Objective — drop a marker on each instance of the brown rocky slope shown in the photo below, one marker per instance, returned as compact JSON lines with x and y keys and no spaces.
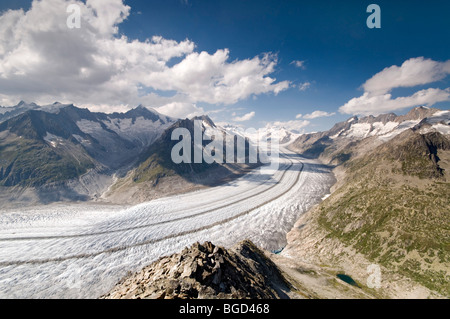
{"x":206,"y":271}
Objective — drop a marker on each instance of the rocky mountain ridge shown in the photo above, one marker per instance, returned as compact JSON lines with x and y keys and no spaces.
{"x":62,"y":152}
{"x":362,"y":134}
{"x":206,"y":271}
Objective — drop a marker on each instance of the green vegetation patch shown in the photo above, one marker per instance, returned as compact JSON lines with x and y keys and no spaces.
{"x":27,"y":162}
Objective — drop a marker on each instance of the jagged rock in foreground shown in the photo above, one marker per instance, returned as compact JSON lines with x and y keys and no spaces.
{"x":206,"y":271}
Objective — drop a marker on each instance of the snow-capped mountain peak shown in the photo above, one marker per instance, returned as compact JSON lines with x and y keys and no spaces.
{"x":386,"y":126}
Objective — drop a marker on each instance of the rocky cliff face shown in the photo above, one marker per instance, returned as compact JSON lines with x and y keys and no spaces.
{"x":206,"y":271}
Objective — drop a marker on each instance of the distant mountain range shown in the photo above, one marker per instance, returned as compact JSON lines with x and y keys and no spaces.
{"x":157,"y":174}
{"x":62,"y":152}
{"x":57,"y":152}
{"x":40,"y":146}
{"x":335,"y":145}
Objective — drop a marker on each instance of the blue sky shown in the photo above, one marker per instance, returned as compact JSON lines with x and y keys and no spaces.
{"x":339,"y":53}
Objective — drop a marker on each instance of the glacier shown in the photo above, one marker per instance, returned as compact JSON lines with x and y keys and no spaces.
{"x":83,"y":250}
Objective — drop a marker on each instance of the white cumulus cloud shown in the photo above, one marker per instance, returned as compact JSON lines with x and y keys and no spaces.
{"x":180,"y":110}
{"x":377,"y":98}
{"x":245,"y":117}
{"x":377,"y":104}
{"x":42,"y":60}
{"x":412,"y":72}
{"x":317,"y":114}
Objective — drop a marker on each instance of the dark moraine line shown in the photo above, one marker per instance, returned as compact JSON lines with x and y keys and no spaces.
{"x":147,"y":225}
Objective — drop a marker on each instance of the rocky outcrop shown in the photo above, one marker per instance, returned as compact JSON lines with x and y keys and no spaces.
{"x":206,"y":271}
